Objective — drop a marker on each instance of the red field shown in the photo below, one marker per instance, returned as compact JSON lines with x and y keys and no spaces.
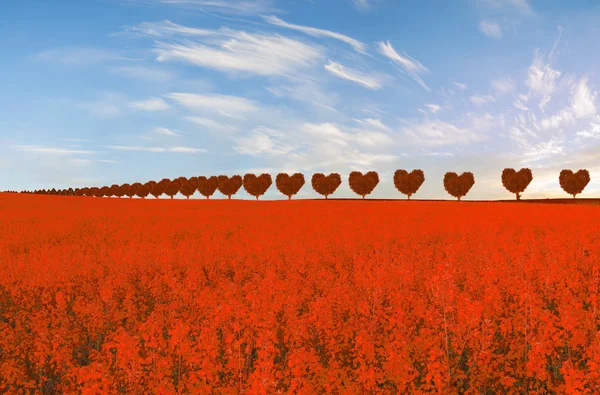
{"x":344,"y":297}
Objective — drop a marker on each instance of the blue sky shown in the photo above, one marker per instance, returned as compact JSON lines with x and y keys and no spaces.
{"x":111,"y":91}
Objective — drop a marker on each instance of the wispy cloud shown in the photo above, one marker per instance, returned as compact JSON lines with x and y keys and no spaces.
{"x":261,"y":142}
{"x":364,"y":5}
{"x":358,"y":77}
{"x":518,"y":6}
{"x":461,"y":86}
{"x":230,"y":106}
{"x":405,"y":63}
{"x":482,"y":99}
{"x":256,"y":53}
{"x":144,"y":73}
{"x":439,"y":133}
{"x":315,"y":32}
{"x":51,"y":150}
{"x":583,"y":105}
{"x":152,"y":104}
{"x":189,"y":150}
{"x":230,"y":7}
{"x":434,"y":108}
{"x":504,"y":85}
{"x":490,"y":29}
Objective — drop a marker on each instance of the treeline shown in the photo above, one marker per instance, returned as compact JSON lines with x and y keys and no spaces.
{"x":407,"y":183}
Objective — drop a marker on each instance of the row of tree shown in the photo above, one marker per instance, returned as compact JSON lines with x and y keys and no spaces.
{"x":362,"y":184}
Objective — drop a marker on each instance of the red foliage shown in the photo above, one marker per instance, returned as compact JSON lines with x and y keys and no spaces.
{"x":458,"y":186}
{"x":229,"y":186}
{"x":257,"y":186}
{"x":574,"y":183}
{"x":172,"y":187}
{"x":363,"y":184}
{"x":516,"y":181}
{"x":409,"y":183}
{"x":207,"y":186}
{"x":326,"y":185}
{"x":128,"y":296}
{"x":289,"y":185}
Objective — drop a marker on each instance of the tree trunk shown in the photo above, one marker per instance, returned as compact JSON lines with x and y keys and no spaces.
{"x":229,"y":197}
{"x":458,"y":198}
{"x":326,"y":197}
{"x":257,"y":198}
{"x":290,"y":197}
{"x":363,"y":196}
{"x":207,"y":197}
{"x":518,"y":196}
{"x":408,"y":196}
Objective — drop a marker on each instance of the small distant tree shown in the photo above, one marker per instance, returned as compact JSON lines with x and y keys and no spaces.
{"x":207,"y":186}
{"x":574,"y":183}
{"x":133,"y":189}
{"x":289,"y":186}
{"x":363,"y":184}
{"x":172,"y":188}
{"x":257,"y":186}
{"x":228,"y":186}
{"x":516,"y":181}
{"x":143,"y":191}
{"x":188,"y":188}
{"x":408,"y":183}
{"x":155,"y":189}
{"x":326,"y":185}
{"x":458,"y":186}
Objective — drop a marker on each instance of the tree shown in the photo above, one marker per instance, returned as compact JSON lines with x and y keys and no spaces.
{"x":408,"y":183}
{"x":363,"y":184}
{"x":289,"y":186}
{"x":114,"y":190}
{"x":105,"y":191}
{"x":574,"y":183}
{"x":516,"y":181}
{"x":257,"y":186}
{"x":458,"y":186}
{"x":207,"y":186}
{"x":87,"y":192}
{"x":133,"y":188}
{"x":189,"y":187}
{"x":228,"y":186}
{"x":122,"y":190}
{"x":143,"y":191}
{"x":326,"y":185}
{"x":155,"y":189}
{"x":172,"y":188}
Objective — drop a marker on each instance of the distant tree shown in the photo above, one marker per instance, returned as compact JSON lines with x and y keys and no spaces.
{"x":114,"y":190}
{"x":257,"y":186}
{"x":408,"y":183}
{"x":133,"y":189}
{"x":143,"y":191}
{"x":363,"y":184}
{"x":53,"y":192}
{"x":458,"y":186}
{"x":161,"y":187}
{"x":105,"y":191}
{"x":88,"y":192}
{"x":128,"y":191}
{"x":574,"y":183}
{"x":516,"y":181}
{"x":121,"y":190}
{"x":188,"y":188}
{"x":228,"y":186}
{"x":289,"y":185}
{"x":172,"y":188}
{"x":326,"y":185}
{"x":207,"y":186}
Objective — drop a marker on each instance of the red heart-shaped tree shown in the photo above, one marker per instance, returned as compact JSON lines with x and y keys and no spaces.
{"x":458,"y":186}
{"x":229,"y":186}
{"x":363,"y":184}
{"x":207,"y":186}
{"x":326,"y":185}
{"x":574,"y":183}
{"x":516,"y":181}
{"x":289,"y":185}
{"x":257,"y":186}
{"x":409,"y":183}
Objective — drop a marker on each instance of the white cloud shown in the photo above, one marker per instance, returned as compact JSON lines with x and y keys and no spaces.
{"x":544,"y":150}
{"x":349,"y":74}
{"x":144,"y":73}
{"x":231,"y":106}
{"x":439,"y":133}
{"x":373,"y":123}
{"x":262,"y":54}
{"x":541,"y":79}
{"x":167,"y":28}
{"x":357,"y":45}
{"x":232,"y":7}
{"x":166,"y":132}
{"x":504,"y":85}
{"x":583,"y":105}
{"x":434,"y":108}
{"x":152,"y":104}
{"x":261,"y":142}
{"x":490,"y":29}
{"x":110,"y":106}
{"x":51,"y":150}
{"x":461,"y":86}
{"x":482,"y":99}
{"x":155,"y":149}
{"x":364,"y":5}
{"x":210,"y":124}
{"x":404,"y":63}
{"x":372,"y":139}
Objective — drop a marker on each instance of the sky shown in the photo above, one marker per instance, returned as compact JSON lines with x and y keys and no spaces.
{"x":103,"y":92}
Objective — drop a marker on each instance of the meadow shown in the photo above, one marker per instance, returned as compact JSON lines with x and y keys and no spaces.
{"x":101,"y":296}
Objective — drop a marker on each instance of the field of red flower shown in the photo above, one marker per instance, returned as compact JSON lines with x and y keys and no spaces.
{"x":105,"y":296}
